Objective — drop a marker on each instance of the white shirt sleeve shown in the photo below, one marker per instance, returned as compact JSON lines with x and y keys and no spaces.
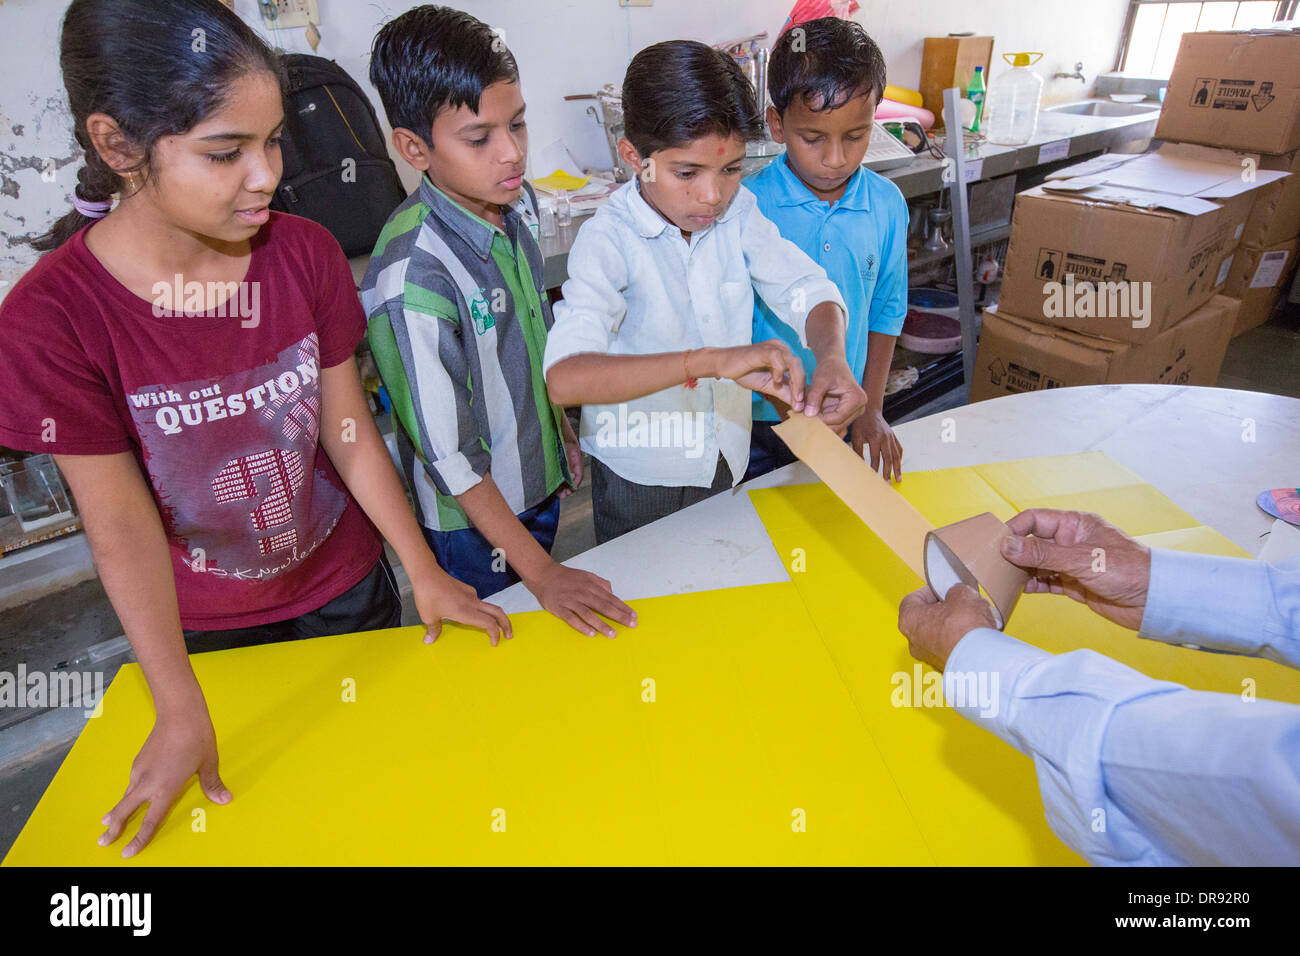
{"x":783,"y":275}
{"x":1237,"y":605}
{"x":593,"y":306}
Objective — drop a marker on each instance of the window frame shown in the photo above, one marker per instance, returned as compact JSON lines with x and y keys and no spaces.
{"x":1286,"y":10}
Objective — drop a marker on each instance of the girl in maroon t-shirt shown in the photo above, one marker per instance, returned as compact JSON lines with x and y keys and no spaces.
{"x":186,"y":355}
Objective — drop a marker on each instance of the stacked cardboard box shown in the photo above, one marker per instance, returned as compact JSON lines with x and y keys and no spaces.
{"x":1107,"y":281}
{"x":1133,"y":268}
{"x":1017,"y":355}
{"x":1241,"y":90}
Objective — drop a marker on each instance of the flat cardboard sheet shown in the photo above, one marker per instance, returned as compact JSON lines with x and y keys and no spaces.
{"x":778,"y":732}
{"x":1178,"y":176}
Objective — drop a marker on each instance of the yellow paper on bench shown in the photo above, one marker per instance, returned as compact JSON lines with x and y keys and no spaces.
{"x":975,"y":799}
{"x":716,"y":732}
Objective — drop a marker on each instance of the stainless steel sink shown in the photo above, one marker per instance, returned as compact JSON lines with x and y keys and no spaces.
{"x":1103,"y":108}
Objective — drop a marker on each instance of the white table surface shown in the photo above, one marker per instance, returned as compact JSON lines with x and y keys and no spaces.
{"x":1185,"y":441}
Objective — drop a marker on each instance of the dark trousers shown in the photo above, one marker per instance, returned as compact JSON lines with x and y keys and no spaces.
{"x":467,"y":556}
{"x":620,"y":506}
{"x":371,"y":604}
{"x":766,"y":451}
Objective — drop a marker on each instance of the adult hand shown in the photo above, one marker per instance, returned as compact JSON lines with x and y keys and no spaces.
{"x":934,"y":627}
{"x":176,"y":749}
{"x":1084,"y":557}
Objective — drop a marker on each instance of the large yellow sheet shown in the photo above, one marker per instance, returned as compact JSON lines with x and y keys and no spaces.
{"x":771,"y":737}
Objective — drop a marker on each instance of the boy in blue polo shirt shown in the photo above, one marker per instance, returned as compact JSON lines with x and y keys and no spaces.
{"x":826,"y":78}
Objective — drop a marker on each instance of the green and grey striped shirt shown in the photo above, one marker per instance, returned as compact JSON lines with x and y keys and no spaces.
{"x":458,"y":322}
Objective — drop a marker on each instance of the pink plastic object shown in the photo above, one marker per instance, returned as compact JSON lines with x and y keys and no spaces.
{"x":892,"y":109}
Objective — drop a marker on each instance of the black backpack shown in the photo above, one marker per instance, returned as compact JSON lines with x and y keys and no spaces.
{"x":328,"y":121}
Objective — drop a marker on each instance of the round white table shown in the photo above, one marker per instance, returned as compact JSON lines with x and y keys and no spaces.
{"x":1210,"y":450}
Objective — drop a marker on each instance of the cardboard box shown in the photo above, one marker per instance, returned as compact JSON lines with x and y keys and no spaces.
{"x":1017,"y":355}
{"x":1235,"y":89}
{"x":1064,"y":251}
{"x":1275,"y":217}
{"x":950,"y":61}
{"x":1258,"y":277}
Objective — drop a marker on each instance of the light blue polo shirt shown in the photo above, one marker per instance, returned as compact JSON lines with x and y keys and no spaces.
{"x":861,"y":242}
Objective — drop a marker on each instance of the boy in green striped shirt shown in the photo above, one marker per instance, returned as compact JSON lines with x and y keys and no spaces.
{"x":459,"y":316}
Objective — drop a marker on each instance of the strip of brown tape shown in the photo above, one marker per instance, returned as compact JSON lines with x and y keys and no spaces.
{"x":963,"y":552}
{"x":884,"y":510}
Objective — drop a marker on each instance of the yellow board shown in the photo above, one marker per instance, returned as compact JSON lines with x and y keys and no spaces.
{"x":748,"y":725}
{"x":749,"y":752}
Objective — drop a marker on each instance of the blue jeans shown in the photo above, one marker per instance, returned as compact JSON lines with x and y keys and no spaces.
{"x":467,"y":556}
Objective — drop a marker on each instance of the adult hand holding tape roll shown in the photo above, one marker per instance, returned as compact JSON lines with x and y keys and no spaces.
{"x":965,"y":552}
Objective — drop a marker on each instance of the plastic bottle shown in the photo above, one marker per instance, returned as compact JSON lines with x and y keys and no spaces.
{"x":1013,"y":100}
{"x":975,"y":93}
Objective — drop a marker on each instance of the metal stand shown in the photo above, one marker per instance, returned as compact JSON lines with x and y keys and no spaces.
{"x":955,"y":176}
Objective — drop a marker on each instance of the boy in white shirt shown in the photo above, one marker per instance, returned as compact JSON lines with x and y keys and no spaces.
{"x":653,"y":335}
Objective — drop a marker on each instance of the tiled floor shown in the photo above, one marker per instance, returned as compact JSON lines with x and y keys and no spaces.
{"x":56,"y":628}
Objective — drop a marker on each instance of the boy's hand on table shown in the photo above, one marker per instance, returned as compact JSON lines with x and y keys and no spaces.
{"x":440,"y":597}
{"x":872,"y":433}
{"x":579,"y":598}
{"x":767,"y":367}
{"x":177,"y":748}
{"x":835,"y":395}
{"x":933,"y":628}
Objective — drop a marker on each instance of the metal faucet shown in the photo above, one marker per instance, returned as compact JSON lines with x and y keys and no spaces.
{"x":1076,"y":75}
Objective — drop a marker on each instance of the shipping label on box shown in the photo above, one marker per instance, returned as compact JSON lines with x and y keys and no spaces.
{"x":1271,"y":266}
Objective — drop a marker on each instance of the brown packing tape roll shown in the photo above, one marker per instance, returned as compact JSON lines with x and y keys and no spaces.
{"x":966,"y":552}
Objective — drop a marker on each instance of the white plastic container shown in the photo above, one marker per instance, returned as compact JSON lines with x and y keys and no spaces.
{"x":1011,"y":104}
